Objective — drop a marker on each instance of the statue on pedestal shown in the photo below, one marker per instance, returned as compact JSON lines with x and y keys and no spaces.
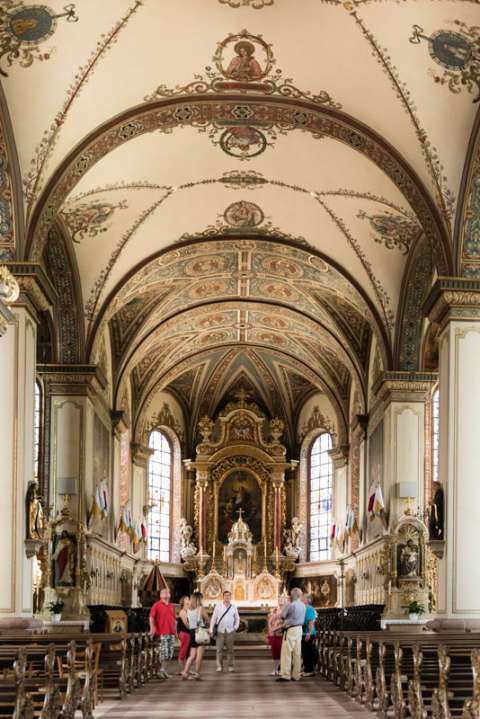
{"x":293,"y":539}
{"x":187,"y":547}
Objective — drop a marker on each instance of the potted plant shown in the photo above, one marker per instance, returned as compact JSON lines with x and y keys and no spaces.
{"x":56,"y":608}
{"x":415,"y":611}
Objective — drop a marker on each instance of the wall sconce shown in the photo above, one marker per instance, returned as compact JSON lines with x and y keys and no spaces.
{"x":66,"y":488}
{"x":365,"y":575}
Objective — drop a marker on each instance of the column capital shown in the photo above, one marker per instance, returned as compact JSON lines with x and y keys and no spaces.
{"x":453,"y":298}
{"x":35,"y":289}
{"x":119,"y":421}
{"x":140,"y":454}
{"x":9,"y":287}
{"x":404,"y":386}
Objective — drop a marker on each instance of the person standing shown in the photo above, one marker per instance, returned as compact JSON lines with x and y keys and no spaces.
{"x":223,"y":625}
{"x":275,"y":633}
{"x":197,"y":620}
{"x":309,"y":646}
{"x":183,"y":630}
{"x":163,"y":629}
{"x":293,"y":615}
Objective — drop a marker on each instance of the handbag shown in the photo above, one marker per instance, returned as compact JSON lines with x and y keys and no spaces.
{"x":215,"y":628}
{"x":202,"y":636}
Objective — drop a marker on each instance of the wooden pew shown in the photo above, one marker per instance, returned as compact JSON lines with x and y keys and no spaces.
{"x":398,"y":674}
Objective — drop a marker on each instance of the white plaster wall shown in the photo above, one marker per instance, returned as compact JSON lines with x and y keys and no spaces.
{"x":463,"y":499}
{"x":17,"y":382}
{"x":67,"y":441}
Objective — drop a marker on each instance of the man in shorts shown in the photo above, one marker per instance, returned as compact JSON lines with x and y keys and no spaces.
{"x":163,"y":628}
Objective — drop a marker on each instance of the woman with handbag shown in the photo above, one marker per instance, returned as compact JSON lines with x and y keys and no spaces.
{"x":199,"y":635}
{"x":183,"y":632}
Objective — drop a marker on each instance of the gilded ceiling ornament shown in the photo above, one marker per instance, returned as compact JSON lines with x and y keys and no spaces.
{"x":457,"y":52}
{"x":243,"y":214}
{"x":242,"y":142}
{"x":244,"y":57}
{"x":89,"y":219}
{"x":392,"y":231}
{"x":255,"y":4}
{"x":242,"y":63}
{"x":246,"y":179}
{"x":24,"y":27}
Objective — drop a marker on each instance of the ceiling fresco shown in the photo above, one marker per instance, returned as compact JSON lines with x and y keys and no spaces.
{"x":248,"y":198}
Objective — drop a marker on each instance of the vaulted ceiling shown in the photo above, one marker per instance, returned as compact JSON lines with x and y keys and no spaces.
{"x":250,"y":190}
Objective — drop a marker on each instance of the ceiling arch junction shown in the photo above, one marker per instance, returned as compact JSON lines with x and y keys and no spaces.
{"x":228,"y":226}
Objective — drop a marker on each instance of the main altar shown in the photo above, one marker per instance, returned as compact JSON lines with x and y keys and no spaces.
{"x":239,"y":540}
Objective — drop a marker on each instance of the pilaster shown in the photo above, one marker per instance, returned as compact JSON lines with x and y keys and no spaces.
{"x":17,"y":382}
{"x":454,"y":304}
{"x":401,"y":397}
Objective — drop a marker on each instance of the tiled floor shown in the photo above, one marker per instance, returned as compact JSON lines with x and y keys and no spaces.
{"x":249,"y":693}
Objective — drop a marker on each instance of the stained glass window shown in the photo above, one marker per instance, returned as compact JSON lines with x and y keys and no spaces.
{"x":320,"y":482}
{"x":159,"y":495}
{"x":435,"y":433}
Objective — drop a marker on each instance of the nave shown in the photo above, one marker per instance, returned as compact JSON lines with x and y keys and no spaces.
{"x":249,"y":692}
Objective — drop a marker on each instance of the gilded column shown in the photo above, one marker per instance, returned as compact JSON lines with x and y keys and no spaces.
{"x":454,"y":304}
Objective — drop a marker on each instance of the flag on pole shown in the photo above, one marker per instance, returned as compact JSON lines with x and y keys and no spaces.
{"x":144,"y":528}
{"x":371,"y":502}
{"x":104,"y":498}
{"x":333,"y":532}
{"x":378,"y":504}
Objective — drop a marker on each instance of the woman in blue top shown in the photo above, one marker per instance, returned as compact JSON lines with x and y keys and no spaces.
{"x":309,"y":639}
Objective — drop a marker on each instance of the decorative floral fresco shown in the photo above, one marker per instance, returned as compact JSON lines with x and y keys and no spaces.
{"x":392,"y":231}
{"x":471,"y":243}
{"x":23,"y":28}
{"x":35,"y":176}
{"x":90,"y":219}
{"x":255,"y":4}
{"x":458,"y":52}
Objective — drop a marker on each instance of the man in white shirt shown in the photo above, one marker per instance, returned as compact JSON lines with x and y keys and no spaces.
{"x":223,"y":625}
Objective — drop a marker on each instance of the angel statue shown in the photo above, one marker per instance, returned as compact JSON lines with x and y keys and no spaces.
{"x":293,"y":539}
{"x":187,"y":547}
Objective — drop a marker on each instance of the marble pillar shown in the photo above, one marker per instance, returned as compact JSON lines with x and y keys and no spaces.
{"x":454,"y":304}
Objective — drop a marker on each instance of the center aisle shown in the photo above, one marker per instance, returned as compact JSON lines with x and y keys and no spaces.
{"x":249,"y":693}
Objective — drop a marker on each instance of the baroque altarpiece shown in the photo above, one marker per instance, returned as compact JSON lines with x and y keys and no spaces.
{"x":240,"y":508}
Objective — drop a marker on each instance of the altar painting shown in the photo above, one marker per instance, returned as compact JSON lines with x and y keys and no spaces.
{"x":240,"y":490}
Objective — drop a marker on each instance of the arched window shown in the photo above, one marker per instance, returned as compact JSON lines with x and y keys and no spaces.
{"x":37,"y":428}
{"x":435,"y":433}
{"x":159,"y":496}
{"x":320,"y":497}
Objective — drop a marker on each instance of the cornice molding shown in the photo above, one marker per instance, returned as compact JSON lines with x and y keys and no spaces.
{"x":36,"y":290}
{"x":453,"y":298}
{"x":81,"y":380}
{"x":404,"y":386}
